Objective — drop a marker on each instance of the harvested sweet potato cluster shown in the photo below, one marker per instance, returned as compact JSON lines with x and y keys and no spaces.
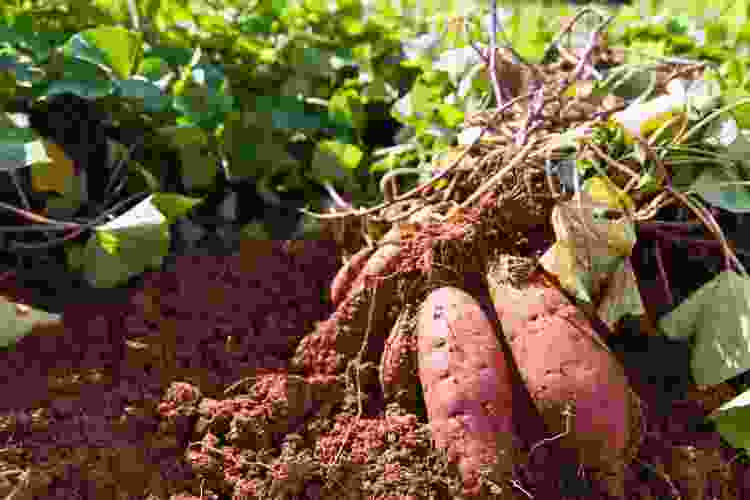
{"x":475,"y":313}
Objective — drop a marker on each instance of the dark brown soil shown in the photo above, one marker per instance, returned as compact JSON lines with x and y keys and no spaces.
{"x":182,"y":392}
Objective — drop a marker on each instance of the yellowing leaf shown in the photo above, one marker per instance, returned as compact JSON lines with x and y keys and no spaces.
{"x":621,"y":296}
{"x":56,"y":175}
{"x":621,"y":237}
{"x":588,"y":248}
{"x":603,"y":190}
{"x":560,"y":260}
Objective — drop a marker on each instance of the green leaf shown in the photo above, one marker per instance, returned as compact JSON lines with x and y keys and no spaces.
{"x":346,"y":107}
{"x":333,"y":162}
{"x":202,"y":96}
{"x":10,"y":135}
{"x":723,"y":132}
{"x":74,"y":256}
{"x":262,"y":156}
{"x":18,"y":320}
{"x":14,"y":156}
{"x":109,"y":241}
{"x":422,"y":46}
{"x":111,"y":46}
{"x":153,"y":68}
{"x":151,"y":95}
{"x":741,"y":113}
{"x":254,"y":231}
{"x":256,"y":24}
{"x":717,"y":318}
{"x":648,"y":183}
{"x":386,"y":163}
{"x":679,"y":25}
{"x":475,"y":81}
{"x":174,"y":205}
{"x":144,"y":181}
{"x":348,"y":155}
{"x":621,"y":297}
{"x":309,"y":61}
{"x":65,"y":205}
{"x":452,"y":115}
{"x":176,"y":56}
{"x":199,"y":166}
{"x":714,"y":184}
{"x":127,"y":246}
{"x":88,"y":88}
{"x":290,"y":114}
{"x":703,"y":95}
{"x":457,"y":62}
{"x":732,"y":419}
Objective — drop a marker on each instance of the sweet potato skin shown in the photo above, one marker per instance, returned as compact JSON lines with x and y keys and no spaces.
{"x":341,"y":284}
{"x":398,"y":365}
{"x":467,"y":385}
{"x":565,"y":365}
{"x":351,"y":279}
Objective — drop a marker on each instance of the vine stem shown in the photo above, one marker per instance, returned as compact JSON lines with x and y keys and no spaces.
{"x":421,"y":187}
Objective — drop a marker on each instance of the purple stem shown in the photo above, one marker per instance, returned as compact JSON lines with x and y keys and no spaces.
{"x":336,"y":197}
{"x":663,"y":273}
{"x":499,"y":94}
{"x":535,"y":111}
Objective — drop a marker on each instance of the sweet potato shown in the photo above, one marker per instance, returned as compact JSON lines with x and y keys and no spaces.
{"x":380,"y":262}
{"x":366,"y":306}
{"x":565,"y":366}
{"x":467,"y":386}
{"x":398,"y":365}
{"x":342,"y":282}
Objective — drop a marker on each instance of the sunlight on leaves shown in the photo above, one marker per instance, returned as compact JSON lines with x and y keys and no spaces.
{"x":717,"y":318}
{"x":127,"y":246}
{"x":111,"y":46}
{"x":731,"y":421}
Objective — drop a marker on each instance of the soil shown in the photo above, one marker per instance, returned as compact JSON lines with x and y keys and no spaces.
{"x":181,"y":390}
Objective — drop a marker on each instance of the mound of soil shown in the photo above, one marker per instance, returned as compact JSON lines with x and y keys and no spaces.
{"x":82,"y":414}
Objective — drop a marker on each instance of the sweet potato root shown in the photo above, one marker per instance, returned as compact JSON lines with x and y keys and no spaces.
{"x":467,"y":386}
{"x":363,"y":264}
{"x":578,"y":386}
{"x":341,"y":284}
{"x":398,"y":365}
{"x":365,"y":306}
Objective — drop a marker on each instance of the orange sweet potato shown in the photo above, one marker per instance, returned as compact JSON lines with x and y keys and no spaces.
{"x":342,"y":283}
{"x":398,"y":365}
{"x":379,"y":262}
{"x":467,"y":386}
{"x":577,"y":385}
